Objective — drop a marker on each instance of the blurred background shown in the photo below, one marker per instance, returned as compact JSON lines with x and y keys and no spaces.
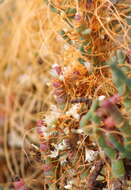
{"x":27,"y":38}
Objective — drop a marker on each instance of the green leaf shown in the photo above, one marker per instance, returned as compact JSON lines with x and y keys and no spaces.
{"x":84,"y":120}
{"x":89,"y":51}
{"x":53,"y":187}
{"x":120,"y":56}
{"x":62,"y":32}
{"x":82,"y":61}
{"x":81,"y":48}
{"x":80,"y":28}
{"x":86,"y":31}
{"x":96,"y":119}
{"x":110,"y":152}
{"x":70,"y":11}
{"x":118,"y":169}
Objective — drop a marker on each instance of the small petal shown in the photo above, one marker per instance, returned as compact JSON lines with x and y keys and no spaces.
{"x":39,"y":123}
{"x":44,"y":147}
{"x":77,"y":17}
{"x":109,"y":122}
{"x":57,"y":69}
{"x":39,"y":130}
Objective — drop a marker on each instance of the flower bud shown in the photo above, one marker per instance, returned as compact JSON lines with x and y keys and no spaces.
{"x":44,"y":147}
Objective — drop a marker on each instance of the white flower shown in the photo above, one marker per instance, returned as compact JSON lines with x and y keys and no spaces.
{"x":53,"y":73}
{"x":66,"y":46}
{"x":68,"y":186}
{"x":102,"y":97}
{"x":90,"y":155}
{"x":55,"y":109}
{"x":46,"y":134}
{"x":73,"y":111}
{"x":55,"y":65}
{"x":89,"y":66}
{"x":78,"y":142}
{"x":62,"y":159}
{"x":46,"y":131}
{"x":78,"y":131}
{"x":54,"y":154}
{"x":61,"y":77}
{"x":62,"y":162}
{"x":61,"y":146}
{"x":15,"y":140}
{"x":66,"y":131}
{"x":52,"y":117}
{"x":58,"y":147}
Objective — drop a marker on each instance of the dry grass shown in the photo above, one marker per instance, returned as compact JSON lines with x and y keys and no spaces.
{"x":28,"y":48}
